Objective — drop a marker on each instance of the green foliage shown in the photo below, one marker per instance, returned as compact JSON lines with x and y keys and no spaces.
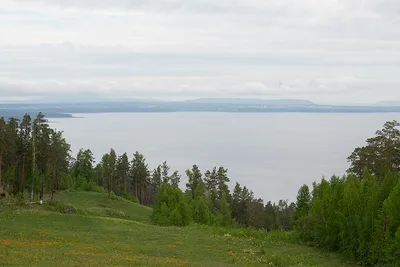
{"x":61,"y":207}
{"x":116,"y":214}
{"x":380,"y":155}
{"x":170,"y":207}
{"x":200,"y":211}
{"x":131,"y":198}
{"x":354,"y":216}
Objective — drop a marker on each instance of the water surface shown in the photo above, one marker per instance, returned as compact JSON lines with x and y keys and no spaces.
{"x":271,"y":153}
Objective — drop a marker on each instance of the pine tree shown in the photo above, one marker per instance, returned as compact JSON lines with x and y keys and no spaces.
{"x":122,"y":173}
{"x":175,"y":179}
{"x":139,"y":175}
{"x":24,"y":143}
{"x":194,"y":177}
{"x":3,"y":139}
{"x":165,"y":172}
{"x":157,"y":177}
{"x":83,"y":165}
{"x":58,"y":156}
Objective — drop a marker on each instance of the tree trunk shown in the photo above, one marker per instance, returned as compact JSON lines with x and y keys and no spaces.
{"x":1,"y":165}
{"x":41,"y":187}
{"x":23,"y":174}
{"x":109,"y":188}
{"x":140,"y":196}
{"x":125,"y":184}
{"x":54,"y":182}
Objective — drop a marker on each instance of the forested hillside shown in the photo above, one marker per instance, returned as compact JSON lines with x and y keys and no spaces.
{"x":358,"y":214}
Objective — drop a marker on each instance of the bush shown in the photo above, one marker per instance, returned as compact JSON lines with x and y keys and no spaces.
{"x":131,"y":198}
{"x":67,"y":182}
{"x":113,"y":196}
{"x":170,"y":207}
{"x":176,"y":218}
{"x":98,"y":189}
{"x":116,"y":214}
{"x":55,"y":205}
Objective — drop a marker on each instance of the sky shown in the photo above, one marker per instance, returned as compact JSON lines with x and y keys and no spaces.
{"x":330,"y":51}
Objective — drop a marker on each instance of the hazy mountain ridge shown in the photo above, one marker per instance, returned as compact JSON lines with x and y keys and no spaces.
{"x":65,"y":109}
{"x":251,"y":101}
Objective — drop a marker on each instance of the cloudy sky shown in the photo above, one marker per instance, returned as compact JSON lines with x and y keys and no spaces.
{"x":329,"y":51}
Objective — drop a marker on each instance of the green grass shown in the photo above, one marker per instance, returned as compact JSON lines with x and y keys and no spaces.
{"x":36,"y":237}
{"x":98,"y":204}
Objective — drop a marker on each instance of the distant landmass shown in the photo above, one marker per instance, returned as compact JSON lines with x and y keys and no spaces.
{"x":242,"y":105}
{"x":250,"y":101}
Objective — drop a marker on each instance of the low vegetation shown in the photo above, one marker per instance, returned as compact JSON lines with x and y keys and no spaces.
{"x":37,"y":236}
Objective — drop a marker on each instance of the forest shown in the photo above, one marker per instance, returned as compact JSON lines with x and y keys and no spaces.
{"x":357,"y":214}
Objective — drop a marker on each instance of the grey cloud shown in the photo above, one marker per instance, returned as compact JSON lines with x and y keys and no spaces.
{"x":315,"y":49}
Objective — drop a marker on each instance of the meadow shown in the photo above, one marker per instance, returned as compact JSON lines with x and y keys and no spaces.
{"x":88,"y":229}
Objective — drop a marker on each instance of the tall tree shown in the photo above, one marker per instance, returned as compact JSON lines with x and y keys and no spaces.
{"x":303,"y":203}
{"x":175,"y":179}
{"x":157,"y":177}
{"x":11,"y":155}
{"x":381,"y":154}
{"x":3,"y":138}
{"x":194,"y":177}
{"x":59,"y":156}
{"x":139,"y":174}
{"x":25,"y":133}
{"x":123,"y":166}
{"x":83,"y":165}
{"x":165,"y":172}
{"x":38,"y":123}
{"x":223,"y":180}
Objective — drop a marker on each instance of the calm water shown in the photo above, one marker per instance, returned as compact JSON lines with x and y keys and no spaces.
{"x":272,"y":154}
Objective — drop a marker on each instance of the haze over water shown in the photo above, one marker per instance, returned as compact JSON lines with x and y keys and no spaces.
{"x":273,"y":154}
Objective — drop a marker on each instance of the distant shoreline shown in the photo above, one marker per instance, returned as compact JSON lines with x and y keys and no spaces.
{"x":54,"y":110}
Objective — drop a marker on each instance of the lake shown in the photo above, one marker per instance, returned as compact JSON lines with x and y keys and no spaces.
{"x":273,"y":154}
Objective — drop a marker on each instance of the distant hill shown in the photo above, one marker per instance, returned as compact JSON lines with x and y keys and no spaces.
{"x":249,"y":101}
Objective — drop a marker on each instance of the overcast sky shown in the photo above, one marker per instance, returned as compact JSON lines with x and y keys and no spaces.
{"x":328,"y":51}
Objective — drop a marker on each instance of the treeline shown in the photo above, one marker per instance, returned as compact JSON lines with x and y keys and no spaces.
{"x":358,"y":214}
{"x":36,"y":160}
{"x":208,"y":200}
{"x":32,"y":156}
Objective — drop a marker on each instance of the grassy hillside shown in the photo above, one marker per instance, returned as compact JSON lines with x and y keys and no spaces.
{"x":94,"y":237}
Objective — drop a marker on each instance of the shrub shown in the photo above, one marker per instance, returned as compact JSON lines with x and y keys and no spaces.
{"x":66,"y":182}
{"x":170,"y":207}
{"x":131,"y":198}
{"x":176,"y":218}
{"x":116,"y":214}
{"x":55,"y":205}
{"x":98,"y":189}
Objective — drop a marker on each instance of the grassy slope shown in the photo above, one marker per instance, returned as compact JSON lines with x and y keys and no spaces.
{"x":35,"y":237}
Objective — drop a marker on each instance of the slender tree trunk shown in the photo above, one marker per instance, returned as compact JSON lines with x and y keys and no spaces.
{"x":23,"y":174}
{"x":140,"y":195}
{"x":125,"y":184}
{"x":109,"y":188}
{"x":41,"y":187}
{"x":33,"y":166}
{"x":1,"y":165}
{"x":136,"y":190}
{"x":54,"y":182}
